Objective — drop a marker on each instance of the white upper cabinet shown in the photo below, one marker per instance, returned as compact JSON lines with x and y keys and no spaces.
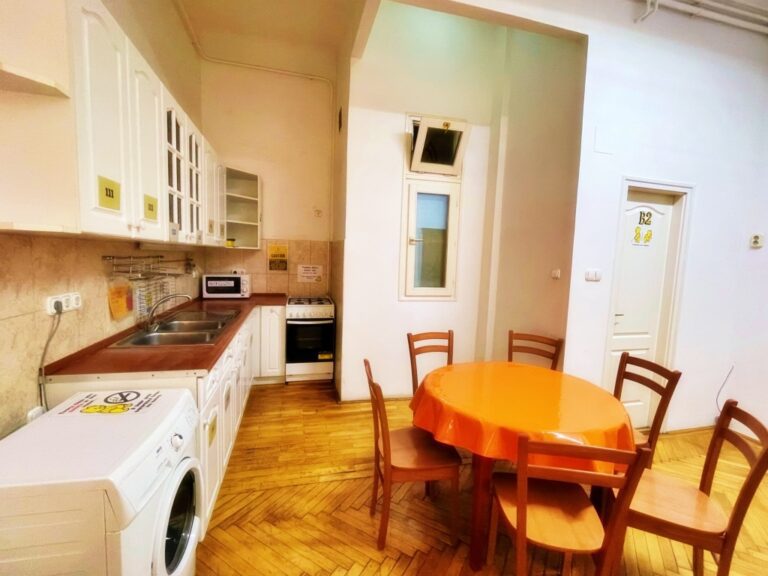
{"x":243,"y":209}
{"x":195,"y":183}
{"x":118,"y":100}
{"x":100,"y":89}
{"x":146,"y":121}
{"x":175,"y":167}
{"x":142,"y":162}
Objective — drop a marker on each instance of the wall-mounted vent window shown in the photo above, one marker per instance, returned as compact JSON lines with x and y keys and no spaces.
{"x":438,"y":145}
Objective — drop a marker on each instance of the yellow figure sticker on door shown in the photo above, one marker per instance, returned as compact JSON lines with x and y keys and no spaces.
{"x":109,"y":194}
{"x":648,"y":236}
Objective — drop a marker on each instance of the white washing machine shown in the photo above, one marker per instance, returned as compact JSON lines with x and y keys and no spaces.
{"x":105,"y":483}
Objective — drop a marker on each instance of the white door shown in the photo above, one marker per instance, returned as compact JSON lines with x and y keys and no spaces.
{"x":647,"y":256}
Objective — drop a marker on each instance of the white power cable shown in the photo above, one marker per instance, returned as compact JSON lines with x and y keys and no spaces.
{"x":55,"y":321}
{"x":717,"y":398}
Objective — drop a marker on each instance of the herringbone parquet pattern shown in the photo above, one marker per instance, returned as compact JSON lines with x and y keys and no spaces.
{"x":296,"y":494}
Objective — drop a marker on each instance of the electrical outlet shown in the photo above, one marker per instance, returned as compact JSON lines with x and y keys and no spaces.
{"x":69,"y":301}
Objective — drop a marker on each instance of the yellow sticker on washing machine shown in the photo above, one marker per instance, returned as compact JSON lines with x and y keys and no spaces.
{"x":106,"y":409}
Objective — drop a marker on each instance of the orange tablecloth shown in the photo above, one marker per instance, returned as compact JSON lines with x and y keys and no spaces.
{"x":483,"y":406}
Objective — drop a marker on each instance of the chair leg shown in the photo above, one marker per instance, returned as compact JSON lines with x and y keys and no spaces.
{"x":724,"y":561}
{"x":698,"y":561}
{"x":455,"y":509}
{"x":375,"y":491}
{"x":386,"y":501}
{"x":492,"y":532}
{"x":567,"y":563}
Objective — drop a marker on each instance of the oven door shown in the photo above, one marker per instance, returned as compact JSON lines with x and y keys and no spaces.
{"x":309,"y":341}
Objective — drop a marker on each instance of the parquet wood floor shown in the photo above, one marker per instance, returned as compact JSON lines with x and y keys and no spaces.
{"x":296,"y":494}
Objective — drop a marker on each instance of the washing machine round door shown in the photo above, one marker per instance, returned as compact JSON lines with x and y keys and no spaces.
{"x":178,"y":530}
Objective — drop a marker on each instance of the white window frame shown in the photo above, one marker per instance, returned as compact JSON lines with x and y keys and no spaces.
{"x":426,"y":122}
{"x":413,"y":186}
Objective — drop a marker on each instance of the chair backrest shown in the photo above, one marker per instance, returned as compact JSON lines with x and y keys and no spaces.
{"x":549,"y":348}
{"x":623,"y":471}
{"x":380,"y":422}
{"x":424,"y":343}
{"x":755,"y":451}
{"x":664,"y":388}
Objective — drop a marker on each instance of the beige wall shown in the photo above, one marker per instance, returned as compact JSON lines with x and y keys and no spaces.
{"x":263,"y":280}
{"x":158,"y":32}
{"x":37,"y":133}
{"x":35,"y":267}
{"x":280,"y":127}
{"x":543,"y":115}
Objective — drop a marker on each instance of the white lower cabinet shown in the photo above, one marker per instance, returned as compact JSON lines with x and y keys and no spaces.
{"x":211,"y":459}
{"x":272,"y":341}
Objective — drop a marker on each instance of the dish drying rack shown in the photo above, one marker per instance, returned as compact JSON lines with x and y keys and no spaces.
{"x":145,"y":267}
{"x":151,"y":278}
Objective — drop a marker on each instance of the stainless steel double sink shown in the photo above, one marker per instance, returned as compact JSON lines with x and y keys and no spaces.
{"x":182,"y":328}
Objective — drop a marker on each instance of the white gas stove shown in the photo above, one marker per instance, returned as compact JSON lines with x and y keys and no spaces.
{"x":309,"y":307}
{"x":310,"y":339}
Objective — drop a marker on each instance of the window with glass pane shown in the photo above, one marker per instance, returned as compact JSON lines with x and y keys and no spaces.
{"x":429,"y":265}
{"x":431,"y":240}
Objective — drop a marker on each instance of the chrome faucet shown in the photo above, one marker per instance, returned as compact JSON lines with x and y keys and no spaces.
{"x":150,"y":324}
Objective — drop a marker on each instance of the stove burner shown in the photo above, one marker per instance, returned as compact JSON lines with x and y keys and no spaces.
{"x":309,"y":301}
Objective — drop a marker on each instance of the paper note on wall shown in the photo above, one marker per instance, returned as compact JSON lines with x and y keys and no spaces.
{"x":310,"y":273}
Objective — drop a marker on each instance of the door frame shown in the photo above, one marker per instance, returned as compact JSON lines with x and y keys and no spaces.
{"x":673,"y":279}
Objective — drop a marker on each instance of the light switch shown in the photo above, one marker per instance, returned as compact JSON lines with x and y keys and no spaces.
{"x":593,"y":275}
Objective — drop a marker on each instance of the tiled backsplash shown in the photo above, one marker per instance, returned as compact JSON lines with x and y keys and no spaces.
{"x":255,"y":263}
{"x":33,"y":267}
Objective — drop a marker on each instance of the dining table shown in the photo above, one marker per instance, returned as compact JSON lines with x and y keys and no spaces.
{"x":484,"y":406}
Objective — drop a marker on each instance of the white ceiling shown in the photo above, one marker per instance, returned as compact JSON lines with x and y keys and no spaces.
{"x":302,"y":36}
{"x":307,"y":36}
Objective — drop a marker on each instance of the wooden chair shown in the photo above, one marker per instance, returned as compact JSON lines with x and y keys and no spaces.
{"x":680,"y":511}
{"x":547,"y":505}
{"x":446,"y":347}
{"x":549,"y":348}
{"x":664,"y":389}
{"x":407,"y":455}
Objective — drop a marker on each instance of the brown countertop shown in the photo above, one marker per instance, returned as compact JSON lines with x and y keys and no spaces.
{"x":98,"y":358}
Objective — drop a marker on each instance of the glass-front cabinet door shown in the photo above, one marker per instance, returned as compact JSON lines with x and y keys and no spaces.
{"x":194,"y":185}
{"x":174,"y":163}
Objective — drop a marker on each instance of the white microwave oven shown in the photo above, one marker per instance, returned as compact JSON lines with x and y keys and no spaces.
{"x":226,"y":286}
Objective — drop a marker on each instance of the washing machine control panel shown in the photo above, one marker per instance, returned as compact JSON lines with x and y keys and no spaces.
{"x":177,"y":441}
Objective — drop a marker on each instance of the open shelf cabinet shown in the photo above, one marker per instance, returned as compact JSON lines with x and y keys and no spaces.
{"x":243,"y":209}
